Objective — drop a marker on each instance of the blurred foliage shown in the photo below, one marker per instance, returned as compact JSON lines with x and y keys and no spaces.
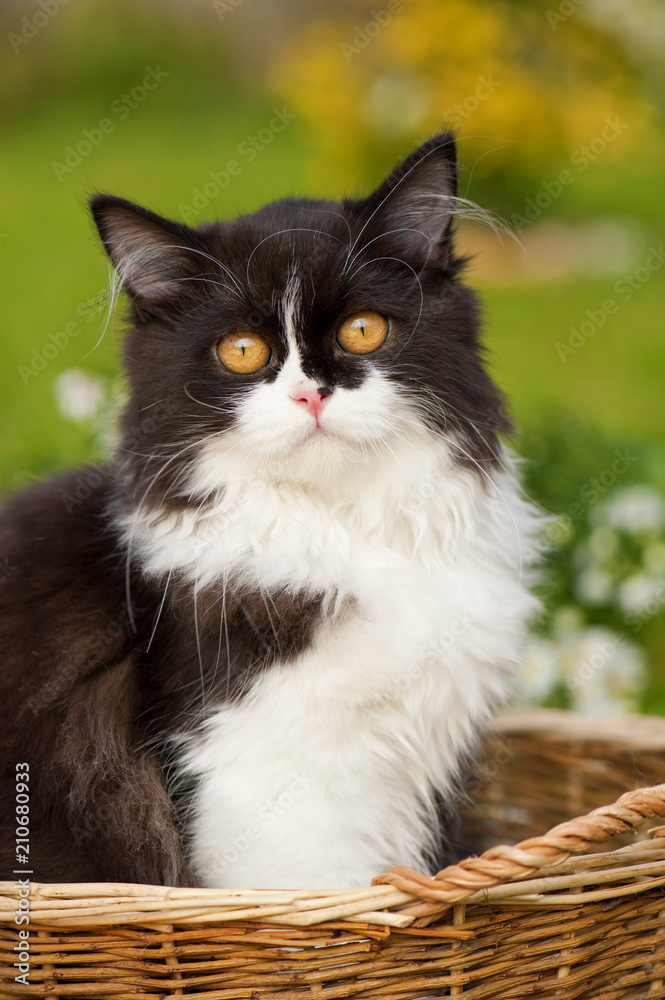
{"x":523,"y":93}
{"x":605,"y":557}
{"x":91,"y":51}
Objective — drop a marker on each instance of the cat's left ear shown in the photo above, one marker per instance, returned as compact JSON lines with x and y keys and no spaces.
{"x":413,"y":209}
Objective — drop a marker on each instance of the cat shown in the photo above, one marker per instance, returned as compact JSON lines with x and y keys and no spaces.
{"x":260,"y":645}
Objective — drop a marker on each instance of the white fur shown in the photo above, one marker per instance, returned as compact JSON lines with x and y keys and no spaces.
{"x":323,"y":774}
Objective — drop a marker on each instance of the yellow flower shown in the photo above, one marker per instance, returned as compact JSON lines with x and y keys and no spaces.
{"x":518,"y":93}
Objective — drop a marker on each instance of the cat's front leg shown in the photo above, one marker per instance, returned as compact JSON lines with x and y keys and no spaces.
{"x":111,"y":790}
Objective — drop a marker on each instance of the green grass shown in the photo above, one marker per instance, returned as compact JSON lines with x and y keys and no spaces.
{"x":615,"y":378}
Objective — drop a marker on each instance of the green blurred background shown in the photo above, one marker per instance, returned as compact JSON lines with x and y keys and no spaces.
{"x":559,"y":111}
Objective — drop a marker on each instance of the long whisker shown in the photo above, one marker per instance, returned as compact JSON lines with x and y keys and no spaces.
{"x":420,"y":289}
{"x":281,"y":232}
{"x":389,"y":195}
{"x":211,"y":281}
{"x":389,"y":232}
{"x":214,"y":260}
{"x":218,"y":409}
{"x":338,"y":215}
{"x":163,"y":600}
{"x":137,"y":515}
{"x":484,"y":472}
{"x":429,"y":401}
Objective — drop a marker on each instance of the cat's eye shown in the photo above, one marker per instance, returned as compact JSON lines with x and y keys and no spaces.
{"x":244,"y":353}
{"x":362,"y":333}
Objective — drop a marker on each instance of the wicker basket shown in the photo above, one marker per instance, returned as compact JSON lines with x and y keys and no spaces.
{"x":519,"y":921}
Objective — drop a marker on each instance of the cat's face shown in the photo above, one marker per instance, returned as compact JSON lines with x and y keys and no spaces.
{"x":302,"y":340}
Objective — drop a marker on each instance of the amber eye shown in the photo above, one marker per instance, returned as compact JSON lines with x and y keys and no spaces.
{"x":244,"y":353}
{"x":363,"y":333}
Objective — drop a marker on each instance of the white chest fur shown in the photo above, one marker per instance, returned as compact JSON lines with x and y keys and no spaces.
{"x":323,"y":775}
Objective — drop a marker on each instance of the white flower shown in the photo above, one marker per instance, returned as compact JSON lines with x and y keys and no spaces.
{"x":568,"y":619}
{"x":604,"y":671}
{"x":594,"y":586}
{"x":558,"y":530}
{"x":637,"y":591}
{"x":603,"y":542}
{"x":636,"y":509}
{"x":539,"y":671}
{"x":78,"y":395}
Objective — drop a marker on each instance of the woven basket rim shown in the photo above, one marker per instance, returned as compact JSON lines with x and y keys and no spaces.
{"x":631,"y":731}
{"x":400,"y":897}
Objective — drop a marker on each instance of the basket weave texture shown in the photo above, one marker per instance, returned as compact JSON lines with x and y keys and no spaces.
{"x":531,"y":919}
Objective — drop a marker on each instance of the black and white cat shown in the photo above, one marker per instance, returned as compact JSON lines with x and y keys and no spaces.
{"x":259,"y":646}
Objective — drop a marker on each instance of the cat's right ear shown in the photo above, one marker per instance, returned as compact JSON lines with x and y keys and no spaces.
{"x":153,"y":256}
{"x":412,"y":212}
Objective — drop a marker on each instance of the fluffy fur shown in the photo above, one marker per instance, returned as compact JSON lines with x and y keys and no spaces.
{"x":313,"y":622}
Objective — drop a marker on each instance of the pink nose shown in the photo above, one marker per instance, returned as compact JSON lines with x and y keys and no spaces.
{"x":313,"y":399}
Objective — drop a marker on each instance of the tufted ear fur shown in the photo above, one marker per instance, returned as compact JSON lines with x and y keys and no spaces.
{"x":413,"y":208}
{"x":153,"y":256}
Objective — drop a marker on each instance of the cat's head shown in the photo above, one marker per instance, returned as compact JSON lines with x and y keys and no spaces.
{"x":304,"y":341}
